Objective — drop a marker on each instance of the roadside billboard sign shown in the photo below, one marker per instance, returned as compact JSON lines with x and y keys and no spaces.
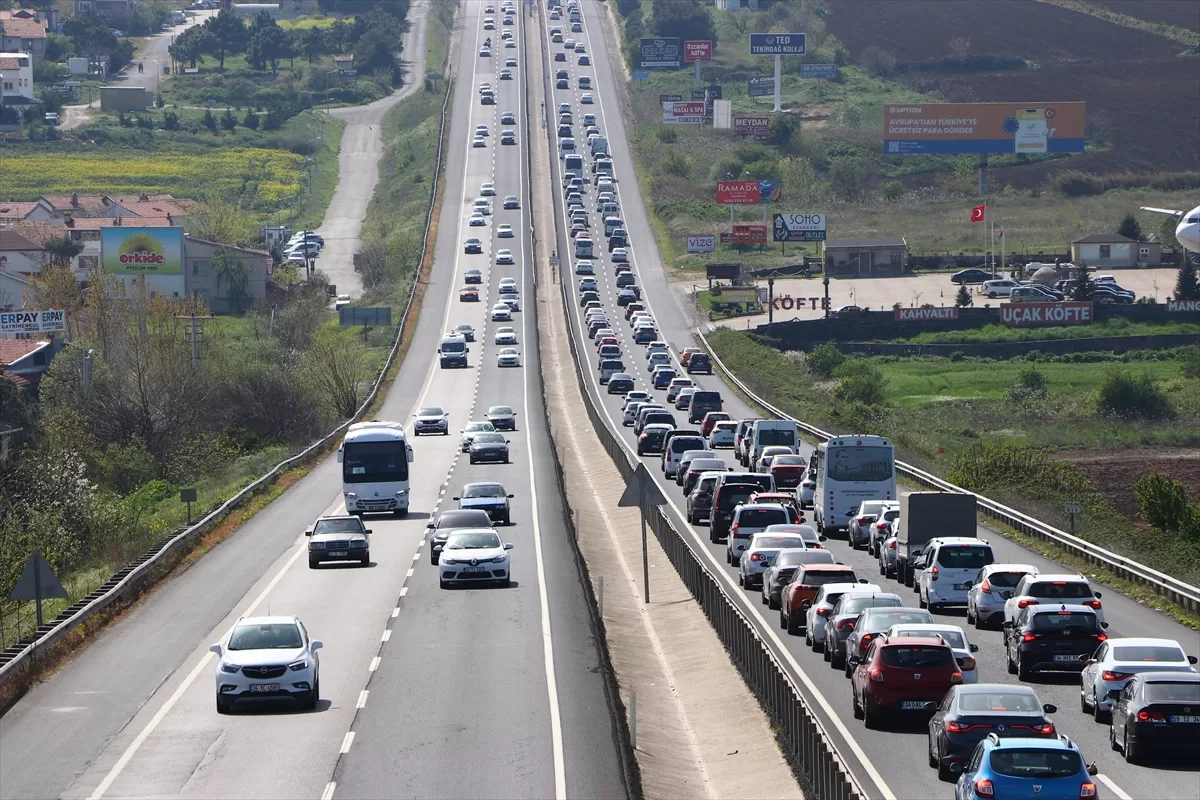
{"x":52,"y":321}
{"x":701,"y":243}
{"x":799,"y":227}
{"x":925,"y":314}
{"x":141,"y":251}
{"x":698,"y":94}
{"x":689,"y":113}
{"x":827,"y":72}
{"x":723,"y":272}
{"x":984,"y":128}
{"x":777,"y":44}
{"x":735,"y":294}
{"x":745,"y":234}
{"x":670,"y":98}
{"x":743,"y":193}
{"x":752,"y":127}
{"x":1032,"y":315}
{"x":761,"y":86}
{"x":660,"y":52}
{"x":352,"y":316}
{"x":697,"y":50}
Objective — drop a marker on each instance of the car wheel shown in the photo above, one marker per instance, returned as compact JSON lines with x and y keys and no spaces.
{"x":870,"y":716}
{"x":882,"y":569}
{"x":1083,"y":704}
{"x":313,"y":563}
{"x":858,"y":712}
{"x":443,"y":584}
{"x":849,"y":670}
{"x":931,"y":754}
{"x":433,"y":558}
{"x":921,"y":600}
{"x":944,"y":773}
{"x":310,"y":703}
{"x":366,"y":559}
{"x":808,"y":637}
{"x":1112,"y":738}
{"x":826,"y":654}
{"x":446,"y":432}
{"x":712,"y":537}
{"x":1098,"y":713}
{"x":1012,"y":667}
{"x":508,"y":519}
{"x":1023,"y":674}
{"x":771,"y":603}
{"x":728,"y":557}
{"x":224,"y":706}
{"x":793,"y":627}
{"x":783,"y":619}
{"x":971,"y":618}
{"x":763,"y":598}
{"x":741,"y":580}
{"x":400,"y":513}
{"x":1132,"y":754}
{"x":472,"y":459}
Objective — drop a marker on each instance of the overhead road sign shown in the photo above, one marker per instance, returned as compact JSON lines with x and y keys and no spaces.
{"x":777,"y":44}
{"x":661,"y":52}
{"x":799,"y":227}
{"x":697,"y":51}
{"x":984,"y":128}
{"x":827,"y":72}
{"x":761,"y":86}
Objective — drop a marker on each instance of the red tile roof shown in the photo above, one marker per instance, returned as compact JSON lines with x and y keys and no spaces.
{"x":13,"y":350}
{"x":35,"y":230}
{"x":21,"y":28}
{"x":160,"y":208}
{"x":91,"y":203}
{"x":11,"y":240}
{"x":16,"y":210}
{"x":95,"y":223}
{"x":19,"y":380}
{"x":10,"y":63}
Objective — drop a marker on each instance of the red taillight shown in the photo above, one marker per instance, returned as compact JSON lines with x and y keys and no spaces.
{"x":1087,"y":790}
{"x":733,"y":528}
{"x":1146,"y":716}
{"x":1026,"y":603}
{"x":1102,"y":637}
{"x":812,"y":546}
{"x":865,"y":641}
{"x":983,"y":788}
{"x":644,"y":436}
{"x":892,"y":546}
{"x":846,"y":625}
{"x":986,"y":586}
{"x":1044,"y":730}
{"x":1092,"y":604}
{"x":958,"y":727}
{"x":823,"y":612}
{"x":1029,"y":637}
{"x":880,"y":526}
{"x":967,"y":664}
{"x":757,"y":557}
{"x":864,"y":520}
{"x":933,"y":573}
{"x":877,"y":675}
{"x":1109,"y":675}
{"x":956,"y":678}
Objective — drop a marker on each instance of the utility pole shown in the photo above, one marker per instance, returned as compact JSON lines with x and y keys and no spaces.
{"x":194,"y":328}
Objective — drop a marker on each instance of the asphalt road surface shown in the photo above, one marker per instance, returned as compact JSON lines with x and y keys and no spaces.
{"x":471,"y":692}
{"x":890,"y":762}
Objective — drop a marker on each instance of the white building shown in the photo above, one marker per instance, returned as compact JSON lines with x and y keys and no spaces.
{"x":16,"y":81}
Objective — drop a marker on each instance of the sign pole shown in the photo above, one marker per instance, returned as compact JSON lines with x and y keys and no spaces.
{"x":698,"y":81}
{"x":778,"y":86}
{"x":645,"y":549}
{"x":770,"y":300}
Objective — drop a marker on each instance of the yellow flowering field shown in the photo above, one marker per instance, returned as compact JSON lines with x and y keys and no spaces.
{"x":271,"y":176}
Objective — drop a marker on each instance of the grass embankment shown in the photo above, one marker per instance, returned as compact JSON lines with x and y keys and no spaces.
{"x":939,"y":409}
{"x":833,"y":161}
{"x":1118,"y":326}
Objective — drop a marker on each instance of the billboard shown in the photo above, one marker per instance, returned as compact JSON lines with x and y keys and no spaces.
{"x":800,"y":227}
{"x":827,"y":72}
{"x":1032,"y":315}
{"x":924,"y":314}
{"x":699,"y":50}
{"x":723,"y":272}
{"x":54,"y":321}
{"x":735,"y":294}
{"x":1183,"y":306}
{"x":701,"y":243}
{"x":752,"y":127}
{"x":141,"y":251}
{"x":660,"y":52}
{"x":761,"y":86}
{"x":777,"y":44}
{"x":689,"y":113}
{"x":670,"y":98}
{"x":746,"y":234}
{"x":984,"y":128}
{"x":751,"y":193}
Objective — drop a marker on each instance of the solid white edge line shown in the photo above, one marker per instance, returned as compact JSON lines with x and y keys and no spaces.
{"x":780,"y":650}
{"x":162,"y":712}
{"x":1113,"y":787}
{"x":556,"y":735}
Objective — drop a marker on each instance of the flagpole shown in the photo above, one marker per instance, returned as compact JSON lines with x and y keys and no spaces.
{"x":992,"y":249}
{"x":1003,"y":260}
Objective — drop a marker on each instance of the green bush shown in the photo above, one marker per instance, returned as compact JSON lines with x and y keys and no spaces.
{"x":1190,"y":361}
{"x":824,"y":359}
{"x":893,"y":190}
{"x":861,"y":382}
{"x":1133,"y":397}
{"x":1005,"y":465}
{"x":727,"y":169}
{"x":1029,"y":385}
{"x":1165,"y":504}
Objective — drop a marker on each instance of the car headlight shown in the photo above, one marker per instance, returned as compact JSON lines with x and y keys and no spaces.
{"x":296,"y":666}
{"x":401,"y":492}
{"x":232,"y":669}
{"x":351,"y":495}
{"x":449,"y":561}
{"x":316,"y":545}
{"x":358,"y":543}
{"x":500,"y":559}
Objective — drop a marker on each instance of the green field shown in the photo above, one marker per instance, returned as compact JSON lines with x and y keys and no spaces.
{"x":1118,"y":326}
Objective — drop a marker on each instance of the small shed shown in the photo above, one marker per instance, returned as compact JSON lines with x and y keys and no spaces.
{"x":884,"y":255}
{"x":1114,"y":250}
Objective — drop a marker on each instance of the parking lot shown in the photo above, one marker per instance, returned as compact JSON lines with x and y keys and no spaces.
{"x":795,"y":296}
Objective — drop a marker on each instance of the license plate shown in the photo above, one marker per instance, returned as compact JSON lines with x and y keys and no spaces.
{"x":474,"y":569}
{"x":338,"y":553}
{"x":912,"y":705}
{"x":1191,"y":719}
{"x":964,"y":585}
{"x":265,"y":687}
{"x":1005,"y":595}
{"x":1066,"y":658}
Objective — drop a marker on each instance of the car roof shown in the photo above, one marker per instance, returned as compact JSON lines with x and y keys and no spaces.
{"x":337,"y":516}
{"x":761,"y":507}
{"x":1013,"y":742}
{"x":1006,"y":567}
{"x":1172,"y":677}
{"x":995,"y":688}
{"x":927,"y":641}
{"x":956,"y":540}
{"x":1059,"y":576}
{"x":271,"y":620}
{"x":845,"y":588}
{"x":1051,"y":608}
{"x":839,"y":568}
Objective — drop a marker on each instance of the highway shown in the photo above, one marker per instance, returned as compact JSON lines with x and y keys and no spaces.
{"x":888,"y":763}
{"x":469,"y":692}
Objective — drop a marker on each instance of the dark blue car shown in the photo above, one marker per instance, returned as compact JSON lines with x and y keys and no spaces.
{"x":663,"y":378}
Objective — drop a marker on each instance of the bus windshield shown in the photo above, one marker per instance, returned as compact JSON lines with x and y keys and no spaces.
{"x":861,"y":464}
{"x":374,"y":462}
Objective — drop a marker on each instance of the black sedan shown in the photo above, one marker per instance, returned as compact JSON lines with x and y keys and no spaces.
{"x":503,"y":418}
{"x":972,"y":275}
{"x":969,"y":713}
{"x":487,"y":496}
{"x":1157,"y":711}
{"x":450,"y":521}
{"x":489,"y":447}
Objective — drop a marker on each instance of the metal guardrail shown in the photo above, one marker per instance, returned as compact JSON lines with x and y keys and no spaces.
{"x":131,"y":579}
{"x":1173,"y":589}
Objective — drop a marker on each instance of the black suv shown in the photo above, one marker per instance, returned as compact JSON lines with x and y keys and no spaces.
{"x":699,"y":362}
{"x":1049,"y":637}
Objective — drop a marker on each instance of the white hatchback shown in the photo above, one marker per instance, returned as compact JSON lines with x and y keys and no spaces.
{"x":267,"y":658}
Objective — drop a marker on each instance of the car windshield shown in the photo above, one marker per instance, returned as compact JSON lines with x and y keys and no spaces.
{"x":786,"y":460}
{"x":779,"y":437}
{"x":1000,"y":701}
{"x":268,"y":636}
{"x":790,"y":558}
{"x":500,"y":410}
{"x":1168,"y":692}
{"x":964,"y":557}
{"x":881,"y":620}
{"x":479,"y":426}
{"x":1147,"y":652}
{"x":861,"y":463}
{"x":1063,"y":621}
{"x":484,"y":489}
{"x":1061,"y":589}
{"x":489,"y":438}
{"x":952,"y":638}
{"x":342,"y":525}
{"x":917,"y":656}
{"x":464,"y":518}
{"x":762,"y":517}
{"x":1005,"y":580}
{"x":778,"y":541}
{"x":472,"y":541}
{"x":1036,"y":763}
{"x":430,"y":412}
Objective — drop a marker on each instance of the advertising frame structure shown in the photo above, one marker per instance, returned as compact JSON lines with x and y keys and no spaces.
{"x":1034,"y":315}
{"x":697,"y":50}
{"x":660,"y":52}
{"x":777,"y":44}
{"x":752,"y":127}
{"x":760,"y":86}
{"x":701,"y":243}
{"x":745,"y":234}
{"x":748,"y":193}
{"x":1031,"y":128}
{"x":42,"y":321}
{"x":130,"y":250}
{"x":800,"y":227}
{"x":689,"y":112}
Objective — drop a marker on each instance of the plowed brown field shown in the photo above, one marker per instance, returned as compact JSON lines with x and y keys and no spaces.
{"x":1114,"y":474}
{"x":1142,"y":97}
{"x":1180,"y":13}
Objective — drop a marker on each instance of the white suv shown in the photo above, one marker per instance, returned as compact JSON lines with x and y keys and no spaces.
{"x":1053,"y":588}
{"x":950,"y":567}
{"x":267,"y":658}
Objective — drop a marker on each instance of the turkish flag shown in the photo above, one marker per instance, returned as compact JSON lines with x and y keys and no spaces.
{"x":978,"y":213}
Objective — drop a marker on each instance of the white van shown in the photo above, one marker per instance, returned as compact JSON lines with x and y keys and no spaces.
{"x":999,"y":288}
{"x":565,"y":146}
{"x":771,"y":433}
{"x":611,"y":224}
{"x":950,"y":566}
{"x":600,"y":145}
{"x":583,"y":247}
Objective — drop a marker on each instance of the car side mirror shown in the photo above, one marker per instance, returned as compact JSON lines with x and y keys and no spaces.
{"x":511,"y":496}
{"x":1191,"y":659}
{"x":862,"y":580}
{"x":1098,"y":595}
{"x":431,"y":524}
{"x":308,"y":532}
{"x":1092,"y":769}
{"x":1089,"y":661}
{"x":316,"y":644}
{"x":368,"y":530}
{"x":508,"y":441}
{"x":825,"y":539}
{"x":216,"y":648}
{"x":1007,"y":625}
{"x":456,"y":498}
{"x":1103,"y":624}
{"x":854,"y":661}
{"x":974,"y":648}
{"x":1049,"y":708}
{"x":807,"y":604}
{"x":508,"y":546}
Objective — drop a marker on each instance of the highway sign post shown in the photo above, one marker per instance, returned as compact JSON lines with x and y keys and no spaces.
{"x":1072,"y":508}
{"x":777,"y":44}
{"x":697,"y":52}
{"x":643,"y":492}
{"x":799,"y":227}
{"x":37,"y":583}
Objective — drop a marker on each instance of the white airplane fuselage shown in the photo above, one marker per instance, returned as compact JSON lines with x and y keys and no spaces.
{"x":1188,"y":230}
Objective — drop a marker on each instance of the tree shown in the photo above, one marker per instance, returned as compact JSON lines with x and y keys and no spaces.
{"x":313,"y":44}
{"x":62,"y":249}
{"x":963,"y":299}
{"x":250,"y":120}
{"x":228,"y":34}
{"x":268,"y":44}
{"x":688,"y":20}
{"x":1129,"y":228}
{"x":334,"y":365}
{"x":210,"y":120}
{"x":374,"y":53}
{"x":228,"y":120}
{"x":191,"y":45}
{"x":1084,"y":287}
{"x":223,"y":222}
{"x":1187,"y":286}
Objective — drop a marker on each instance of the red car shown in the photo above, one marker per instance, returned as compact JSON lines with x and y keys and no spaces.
{"x":468,"y":294}
{"x":905,"y":674}
{"x":803,"y":588}
{"x":788,"y":471}
{"x":711,"y":419}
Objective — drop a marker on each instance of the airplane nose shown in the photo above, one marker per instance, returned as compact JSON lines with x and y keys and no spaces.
{"x":1188,"y":235}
